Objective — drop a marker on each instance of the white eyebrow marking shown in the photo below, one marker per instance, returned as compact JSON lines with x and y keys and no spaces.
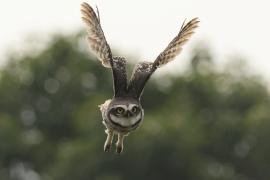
{"x":122,"y":106}
{"x":130,"y":106}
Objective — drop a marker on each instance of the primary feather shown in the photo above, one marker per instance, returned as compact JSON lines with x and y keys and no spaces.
{"x":96,"y":38}
{"x":175,"y":46}
{"x":143,"y":71}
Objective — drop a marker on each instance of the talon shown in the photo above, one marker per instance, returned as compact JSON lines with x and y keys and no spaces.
{"x":119,"y":143}
{"x":107,"y":147}
{"x":119,"y":149}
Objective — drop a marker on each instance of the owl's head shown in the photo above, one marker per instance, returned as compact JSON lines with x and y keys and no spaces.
{"x":125,"y":113}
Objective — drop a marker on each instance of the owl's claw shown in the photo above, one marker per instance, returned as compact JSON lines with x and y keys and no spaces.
{"x":107,"y":147}
{"x":119,"y":143}
{"x":119,"y":149}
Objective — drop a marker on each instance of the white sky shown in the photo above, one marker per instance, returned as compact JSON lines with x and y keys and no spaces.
{"x":145,"y":27}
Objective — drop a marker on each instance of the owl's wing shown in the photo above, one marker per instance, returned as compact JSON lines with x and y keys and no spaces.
{"x":175,"y":46}
{"x":96,"y":39}
{"x":144,"y":70}
{"x":119,"y":76}
{"x":141,"y":73}
{"x":101,"y":48}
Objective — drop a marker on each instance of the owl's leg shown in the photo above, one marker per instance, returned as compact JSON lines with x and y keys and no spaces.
{"x":108,"y":142}
{"x":119,"y":143}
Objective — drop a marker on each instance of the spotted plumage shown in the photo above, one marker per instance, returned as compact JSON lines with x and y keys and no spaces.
{"x":123,"y":113}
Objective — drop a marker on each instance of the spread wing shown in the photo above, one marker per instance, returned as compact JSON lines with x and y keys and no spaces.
{"x":96,"y":38}
{"x":120,"y":76}
{"x":101,"y":49}
{"x":139,"y":77}
{"x":144,"y":70}
{"x":175,"y":46}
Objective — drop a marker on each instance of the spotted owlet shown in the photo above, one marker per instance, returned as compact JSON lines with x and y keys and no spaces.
{"x":124,"y":113}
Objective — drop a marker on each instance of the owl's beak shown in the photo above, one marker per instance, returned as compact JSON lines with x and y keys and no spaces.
{"x":129,"y":114}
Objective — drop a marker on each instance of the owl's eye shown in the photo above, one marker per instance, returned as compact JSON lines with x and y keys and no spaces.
{"x":134,"y":109}
{"x":119,"y":110}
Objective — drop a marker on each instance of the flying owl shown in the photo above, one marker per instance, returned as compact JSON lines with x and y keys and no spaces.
{"x":124,"y":113}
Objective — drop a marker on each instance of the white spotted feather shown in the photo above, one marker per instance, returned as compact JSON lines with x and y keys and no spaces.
{"x":96,"y":39}
{"x":175,"y":46}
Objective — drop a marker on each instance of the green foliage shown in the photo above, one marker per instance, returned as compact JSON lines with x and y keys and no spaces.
{"x":205,"y":124}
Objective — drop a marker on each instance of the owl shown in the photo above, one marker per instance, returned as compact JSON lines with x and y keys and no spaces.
{"x":124,"y":113}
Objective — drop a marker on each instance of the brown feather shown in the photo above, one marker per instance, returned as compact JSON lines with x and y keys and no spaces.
{"x":175,"y":46}
{"x":96,"y":38}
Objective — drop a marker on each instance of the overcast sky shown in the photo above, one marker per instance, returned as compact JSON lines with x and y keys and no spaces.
{"x":144,"y":27}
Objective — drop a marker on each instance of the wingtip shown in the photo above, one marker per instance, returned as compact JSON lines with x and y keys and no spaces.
{"x":196,"y":19}
{"x":84,"y":3}
{"x":84,"y":6}
{"x":183,"y":24}
{"x":98,"y":13}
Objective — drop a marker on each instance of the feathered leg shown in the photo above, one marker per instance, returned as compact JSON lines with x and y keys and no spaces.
{"x":119,"y":143}
{"x":108,"y":142}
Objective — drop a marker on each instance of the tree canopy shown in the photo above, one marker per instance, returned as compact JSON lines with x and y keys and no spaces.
{"x":206,"y":124}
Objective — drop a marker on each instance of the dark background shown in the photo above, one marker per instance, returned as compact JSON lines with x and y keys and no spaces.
{"x":206,"y":124}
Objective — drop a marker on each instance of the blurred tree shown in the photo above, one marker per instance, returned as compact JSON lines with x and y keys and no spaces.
{"x":206,"y":124}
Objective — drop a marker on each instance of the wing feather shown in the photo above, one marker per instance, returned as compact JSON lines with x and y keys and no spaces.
{"x":143,"y":71}
{"x":175,"y":46}
{"x":120,"y":76}
{"x":101,"y":49}
{"x":96,"y":39}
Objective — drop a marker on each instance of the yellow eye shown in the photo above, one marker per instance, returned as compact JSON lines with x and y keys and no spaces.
{"x":134,"y":109}
{"x":119,"y":110}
